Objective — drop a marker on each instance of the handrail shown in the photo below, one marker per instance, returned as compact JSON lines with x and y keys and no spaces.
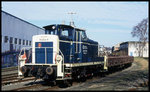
{"x":62,"y":61}
{"x":23,"y":49}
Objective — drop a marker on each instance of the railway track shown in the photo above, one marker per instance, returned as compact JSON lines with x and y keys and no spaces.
{"x":37,"y":86}
{"x":9,"y":69}
{"x":16,"y":80}
{"x":27,"y":87}
{"x":10,"y":76}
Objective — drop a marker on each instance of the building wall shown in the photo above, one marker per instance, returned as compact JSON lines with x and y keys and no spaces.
{"x":17,"y":29}
{"x":15,"y":34}
{"x":134,"y":50}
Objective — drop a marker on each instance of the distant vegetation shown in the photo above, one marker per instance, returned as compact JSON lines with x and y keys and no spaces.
{"x":141,"y":32}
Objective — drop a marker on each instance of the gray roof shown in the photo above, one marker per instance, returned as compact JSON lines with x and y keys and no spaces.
{"x":22,"y":20}
{"x":131,"y":42}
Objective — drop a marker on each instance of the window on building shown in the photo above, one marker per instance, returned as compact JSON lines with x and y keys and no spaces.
{"x":26,"y":42}
{"x":30,"y":43}
{"x":23,"y":42}
{"x":19,"y":41}
{"x":6,"y":39}
{"x":145,"y":49}
{"x":15,"y":40}
{"x":135,"y":52}
{"x":11,"y":40}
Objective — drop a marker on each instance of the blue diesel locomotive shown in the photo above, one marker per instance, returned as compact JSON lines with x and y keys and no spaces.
{"x":63,"y":53}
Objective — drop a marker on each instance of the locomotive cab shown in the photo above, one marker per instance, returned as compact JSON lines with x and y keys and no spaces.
{"x":64,"y":32}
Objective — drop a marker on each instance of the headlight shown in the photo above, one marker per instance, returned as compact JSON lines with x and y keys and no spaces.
{"x":58,"y":58}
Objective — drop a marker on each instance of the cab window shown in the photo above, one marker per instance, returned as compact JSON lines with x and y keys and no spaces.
{"x":65,"y":33}
{"x":52,"y":32}
{"x":83,"y":35}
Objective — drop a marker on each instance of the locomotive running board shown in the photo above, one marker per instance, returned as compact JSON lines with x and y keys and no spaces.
{"x":84,"y":64}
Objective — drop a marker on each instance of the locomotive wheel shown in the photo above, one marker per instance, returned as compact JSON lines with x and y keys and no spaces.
{"x":49,"y":82}
{"x":91,"y":76}
{"x":65,"y":83}
{"x":68,"y":83}
{"x":83,"y":79}
{"x":24,"y":71}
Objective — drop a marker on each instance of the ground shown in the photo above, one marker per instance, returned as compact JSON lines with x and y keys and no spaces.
{"x":132,"y":78}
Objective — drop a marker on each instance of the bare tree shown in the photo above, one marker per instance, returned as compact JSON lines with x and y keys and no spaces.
{"x":141,"y":32}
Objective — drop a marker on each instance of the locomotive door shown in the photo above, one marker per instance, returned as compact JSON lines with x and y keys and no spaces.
{"x":78,"y":45}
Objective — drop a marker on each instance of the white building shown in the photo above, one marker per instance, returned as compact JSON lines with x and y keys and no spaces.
{"x":116,"y":47}
{"x":15,"y":34}
{"x":134,"y":48}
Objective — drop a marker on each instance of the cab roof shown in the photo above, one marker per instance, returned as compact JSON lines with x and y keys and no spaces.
{"x":50,"y":26}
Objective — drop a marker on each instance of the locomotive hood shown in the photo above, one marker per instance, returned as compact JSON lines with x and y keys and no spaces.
{"x":45,"y":48}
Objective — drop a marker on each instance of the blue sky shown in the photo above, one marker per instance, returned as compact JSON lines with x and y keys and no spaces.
{"x":109,"y":23}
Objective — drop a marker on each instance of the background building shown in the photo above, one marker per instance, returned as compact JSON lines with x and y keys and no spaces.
{"x":15,"y":34}
{"x":116,"y":47}
{"x":136,"y":49}
{"x":132,"y":48}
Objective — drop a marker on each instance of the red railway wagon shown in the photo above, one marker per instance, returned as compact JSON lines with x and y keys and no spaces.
{"x":119,"y":60}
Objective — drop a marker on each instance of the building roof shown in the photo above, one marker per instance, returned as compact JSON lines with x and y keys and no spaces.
{"x":131,"y":42}
{"x":22,"y":20}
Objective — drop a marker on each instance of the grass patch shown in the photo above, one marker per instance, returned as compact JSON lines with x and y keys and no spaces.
{"x":142,"y":62}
